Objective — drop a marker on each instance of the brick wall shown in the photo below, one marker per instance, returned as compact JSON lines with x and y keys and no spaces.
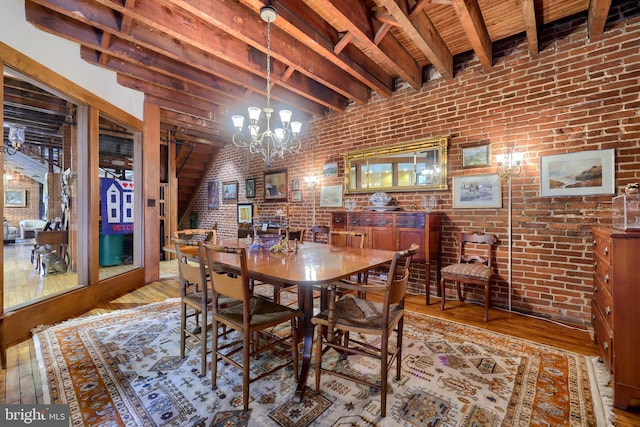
{"x":574,"y":95}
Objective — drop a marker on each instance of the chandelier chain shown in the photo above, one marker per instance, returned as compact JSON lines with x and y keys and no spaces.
{"x":268,"y":143}
{"x":268,"y":64}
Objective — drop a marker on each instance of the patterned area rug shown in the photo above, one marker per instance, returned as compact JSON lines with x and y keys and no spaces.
{"x":123,"y":368}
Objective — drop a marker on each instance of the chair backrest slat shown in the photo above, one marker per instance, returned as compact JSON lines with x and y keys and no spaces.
{"x":476,"y":248}
{"x":226,"y":280}
{"x":190,"y":273}
{"x":320,"y":233}
{"x":356,"y":239}
{"x":194,"y":235}
{"x":398,"y":276}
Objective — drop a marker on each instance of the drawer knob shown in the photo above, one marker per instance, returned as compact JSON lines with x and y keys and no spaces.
{"x":594,"y":243}
{"x":595,"y":289}
{"x":606,"y":251}
{"x":595,"y":265}
{"x":605,"y":345}
{"x":607,"y":310}
{"x":606,"y":278}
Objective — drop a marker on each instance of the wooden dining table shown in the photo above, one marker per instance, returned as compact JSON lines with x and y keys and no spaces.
{"x":312,"y":265}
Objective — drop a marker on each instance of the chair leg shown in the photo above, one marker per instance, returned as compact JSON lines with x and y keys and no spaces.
{"x":320,"y":330}
{"x":487,"y":301}
{"x":384,"y":372}
{"x":246,"y":353}
{"x":427,"y":284}
{"x":459,"y":291}
{"x":214,"y":353}
{"x":183,"y":326}
{"x":294,"y":346}
{"x":442,"y":294}
{"x":399,"y":347}
{"x":203,"y":344}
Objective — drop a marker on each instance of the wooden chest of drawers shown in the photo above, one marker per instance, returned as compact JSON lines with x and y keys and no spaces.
{"x":395,"y":231}
{"x":615,"y":309}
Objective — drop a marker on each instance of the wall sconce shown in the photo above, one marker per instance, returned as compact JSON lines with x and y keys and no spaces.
{"x":311,"y":181}
{"x":509,"y":164}
{"x":16,"y":139}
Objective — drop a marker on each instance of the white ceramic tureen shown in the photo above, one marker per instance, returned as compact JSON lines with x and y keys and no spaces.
{"x":380,"y":199}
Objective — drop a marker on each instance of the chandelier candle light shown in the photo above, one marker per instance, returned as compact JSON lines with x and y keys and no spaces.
{"x":269,"y":143}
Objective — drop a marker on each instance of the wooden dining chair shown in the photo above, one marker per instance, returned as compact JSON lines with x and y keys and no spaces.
{"x":348,"y":238}
{"x":194,"y":235}
{"x":473,"y":267}
{"x":342,"y":325}
{"x":320,"y":233}
{"x":195,"y":299}
{"x":294,"y":234}
{"x":250,"y":318}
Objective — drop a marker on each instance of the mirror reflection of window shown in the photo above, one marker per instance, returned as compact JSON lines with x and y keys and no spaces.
{"x":117,"y":146}
{"x":40,"y":233}
{"x":417,"y":165}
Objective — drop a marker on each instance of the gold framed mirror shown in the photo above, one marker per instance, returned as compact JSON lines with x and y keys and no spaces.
{"x":408,"y":166}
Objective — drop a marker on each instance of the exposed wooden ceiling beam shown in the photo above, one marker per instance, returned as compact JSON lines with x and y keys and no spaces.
{"x":424,"y":34}
{"x":530,"y":22}
{"x":470,"y":16}
{"x":328,"y":42}
{"x":353,"y":17}
{"x":597,"y":18}
{"x":243,"y":24}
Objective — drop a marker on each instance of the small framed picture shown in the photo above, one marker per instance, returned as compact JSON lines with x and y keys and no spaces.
{"x":295,"y":184}
{"x":213,"y":194}
{"x":250,"y":188}
{"x":245,"y":213}
{"x":296,"y":195}
{"x":477,"y":191}
{"x":473,"y":157}
{"x":275,"y":185}
{"x":330,"y":169}
{"x":230,"y":190}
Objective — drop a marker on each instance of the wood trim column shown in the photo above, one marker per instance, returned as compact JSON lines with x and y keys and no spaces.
{"x":151,"y":180}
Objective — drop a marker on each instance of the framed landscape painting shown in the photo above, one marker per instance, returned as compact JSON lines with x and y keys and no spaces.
{"x":15,"y":198}
{"x":477,"y":191}
{"x":585,"y":173}
{"x":473,"y":157}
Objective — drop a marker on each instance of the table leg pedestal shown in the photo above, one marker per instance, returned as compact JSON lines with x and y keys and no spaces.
{"x":305,"y":294}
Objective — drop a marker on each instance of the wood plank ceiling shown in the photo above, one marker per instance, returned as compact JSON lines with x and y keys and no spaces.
{"x":203,"y":60}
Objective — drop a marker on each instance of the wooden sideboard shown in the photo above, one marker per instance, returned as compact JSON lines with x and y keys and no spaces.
{"x":614,"y":309}
{"x":397,"y":230}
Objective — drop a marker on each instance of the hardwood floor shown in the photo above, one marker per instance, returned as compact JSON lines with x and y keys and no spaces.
{"x":20,"y":382}
{"x":24,"y":284}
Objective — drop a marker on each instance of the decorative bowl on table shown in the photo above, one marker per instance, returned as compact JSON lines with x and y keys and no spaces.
{"x":267,"y":241}
{"x":380,"y":199}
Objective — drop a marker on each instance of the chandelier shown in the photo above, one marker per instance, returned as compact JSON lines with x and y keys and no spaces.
{"x":269,"y":143}
{"x":16,"y":139}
